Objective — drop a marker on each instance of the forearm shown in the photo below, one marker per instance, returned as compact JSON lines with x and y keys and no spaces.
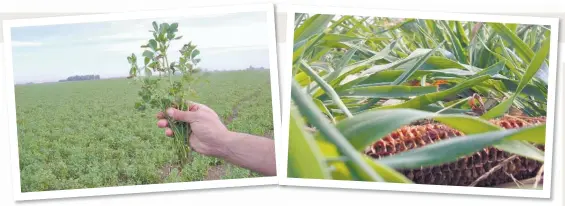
{"x":252,"y":152}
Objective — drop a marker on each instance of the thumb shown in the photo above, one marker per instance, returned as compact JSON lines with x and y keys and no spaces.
{"x":179,"y":115}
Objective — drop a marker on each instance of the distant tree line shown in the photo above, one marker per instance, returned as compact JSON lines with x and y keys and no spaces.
{"x":255,"y":68}
{"x":81,"y":78}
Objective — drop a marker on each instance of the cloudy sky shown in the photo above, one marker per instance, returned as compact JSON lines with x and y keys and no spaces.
{"x":51,"y":53}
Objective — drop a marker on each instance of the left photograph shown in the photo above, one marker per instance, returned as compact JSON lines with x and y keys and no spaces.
{"x":142,"y":102}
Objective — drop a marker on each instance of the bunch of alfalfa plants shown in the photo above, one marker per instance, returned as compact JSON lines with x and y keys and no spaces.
{"x":174,"y":84}
{"x":360,"y":91}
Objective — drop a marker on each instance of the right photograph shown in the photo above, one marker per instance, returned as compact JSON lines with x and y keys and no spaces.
{"x":417,"y":101}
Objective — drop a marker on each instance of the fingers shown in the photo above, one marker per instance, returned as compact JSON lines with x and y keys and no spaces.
{"x":160,"y":115}
{"x":179,"y":115}
{"x":169,"y":132}
{"x":162,"y":123}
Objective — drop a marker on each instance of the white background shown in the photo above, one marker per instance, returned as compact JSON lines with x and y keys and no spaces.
{"x":277,"y":195}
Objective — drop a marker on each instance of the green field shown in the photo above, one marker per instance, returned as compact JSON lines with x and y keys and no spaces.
{"x":87,"y":134}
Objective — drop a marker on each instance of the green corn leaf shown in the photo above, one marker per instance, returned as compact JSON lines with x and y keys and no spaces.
{"x":427,"y":99}
{"x":511,"y":38}
{"x":343,"y":172}
{"x":532,"y":69}
{"x":316,"y":118}
{"x":314,"y":25}
{"x":416,"y":66}
{"x":305,"y":160}
{"x":387,"y":91}
{"x":324,"y":109}
{"x":326,"y":87}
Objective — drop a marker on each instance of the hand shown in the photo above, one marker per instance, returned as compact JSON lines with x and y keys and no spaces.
{"x":209,"y":135}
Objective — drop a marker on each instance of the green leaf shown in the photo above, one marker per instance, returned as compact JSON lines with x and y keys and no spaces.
{"x":378,"y":78}
{"x":164,"y":28}
{"x":148,"y":54}
{"x":133,"y":71}
{"x":302,"y":78}
{"x":153,"y":44}
{"x":337,"y":76}
{"x":451,"y":149}
{"x":532,"y":69}
{"x":194,"y":53}
{"x":461,"y":33}
{"x":492,"y":70}
{"x":529,"y":90}
{"x":511,"y":38}
{"x":170,"y":36}
{"x":458,"y":48}
{"x":427,"y":99}
{"x":309,"y":109}
{"x":387,"y":91}
{"x":339,"y":40}
{"x":343,"y":172}
{"x":305,"y":159}
{"x":346,"y":58}
{"x":313,"y":25}
{"x":416,"y":66}
{"x":536,"y":63}
{"x":140,"y":106}
{"x":173,"y":27}
{"x":388,"y":173}
{"x":323,"y":108}
{"x":147,"y":60}
{"x":339,"y":170}
{"x":439,"y":62}
{"x":522,"y":148}
{"x":326,"y":87}
{"x":155,"y":27}
{"x":148,"y":72}
{"x":301,"y":48}
{"x":354,"y":68}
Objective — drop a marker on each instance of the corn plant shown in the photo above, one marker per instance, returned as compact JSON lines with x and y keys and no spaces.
{"x":418,"y":101}
{"x":167,"y":90}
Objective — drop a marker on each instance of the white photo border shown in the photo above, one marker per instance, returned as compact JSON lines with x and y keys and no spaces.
{"x":545,"y":193}
{"x":134,"y":189}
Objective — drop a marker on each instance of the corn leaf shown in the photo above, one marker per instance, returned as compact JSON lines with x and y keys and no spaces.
{"x":308,"y":108}
{"x":305,"y":160}
{"x":534,"y":66}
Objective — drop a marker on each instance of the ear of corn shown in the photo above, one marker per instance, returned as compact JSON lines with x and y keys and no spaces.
{"x":491,"y":165}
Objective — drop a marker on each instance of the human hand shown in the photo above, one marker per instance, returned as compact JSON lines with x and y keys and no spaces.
{"x":209,"y":135}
